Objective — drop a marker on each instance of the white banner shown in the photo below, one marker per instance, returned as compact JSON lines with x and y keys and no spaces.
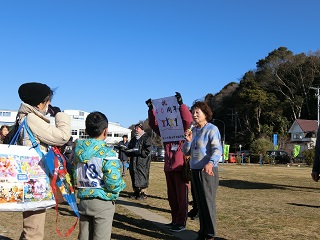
{"x":169,"y":119}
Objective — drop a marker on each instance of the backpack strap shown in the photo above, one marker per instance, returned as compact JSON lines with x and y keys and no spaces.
{"x":58,"y":180}
{"x":17,"y":133}
{"x":35,"y":145}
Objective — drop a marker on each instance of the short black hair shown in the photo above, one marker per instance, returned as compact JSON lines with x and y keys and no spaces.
{"x":7,"y":127}
{"x":125,"y":136}
{"x":96,"y":122}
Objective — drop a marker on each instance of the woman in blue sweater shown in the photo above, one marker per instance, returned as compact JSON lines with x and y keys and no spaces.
{"x":203,"y":144}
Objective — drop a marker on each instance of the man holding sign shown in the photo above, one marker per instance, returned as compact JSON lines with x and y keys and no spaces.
{"x":169,"y":118}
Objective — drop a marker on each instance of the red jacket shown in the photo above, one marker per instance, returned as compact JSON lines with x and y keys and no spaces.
{"x":173,"y":159}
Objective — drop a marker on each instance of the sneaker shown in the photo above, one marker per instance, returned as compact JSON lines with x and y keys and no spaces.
{"x":177,"y":228}
{"x":208,"y":237}
{"x":169,"y":225}
{"x":134,"y":195}
{"x":142,"y":196}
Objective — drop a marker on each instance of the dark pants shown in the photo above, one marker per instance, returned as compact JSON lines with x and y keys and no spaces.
{"x":205,"y":187}
{"x":123,"y":167}
{"x":177,"y":190}
{"x":194,"y":199}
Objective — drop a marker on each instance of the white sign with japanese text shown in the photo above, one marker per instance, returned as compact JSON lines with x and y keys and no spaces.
{"x":169,"y":119}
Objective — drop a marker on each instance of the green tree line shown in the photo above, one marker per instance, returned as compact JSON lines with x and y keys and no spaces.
{"x":267,"y":99}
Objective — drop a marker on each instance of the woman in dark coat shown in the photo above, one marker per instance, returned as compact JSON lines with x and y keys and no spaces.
{"x":139,"y":150}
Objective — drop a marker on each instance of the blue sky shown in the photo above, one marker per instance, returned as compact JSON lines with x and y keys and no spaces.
{"x":111,"y":56}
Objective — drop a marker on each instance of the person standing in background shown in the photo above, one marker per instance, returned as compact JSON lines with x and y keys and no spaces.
{"x":177,"y":188}
{"x":36,"y":99}
{"x":4,"y":130}
{"x":122,"y":145}
{"x":204,"y":146}
{"x":139,"y":151}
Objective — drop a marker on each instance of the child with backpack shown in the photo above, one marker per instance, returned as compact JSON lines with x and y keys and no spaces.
{"x":98,"y":179}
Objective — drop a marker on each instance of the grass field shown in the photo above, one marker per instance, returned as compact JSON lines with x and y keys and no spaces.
{"x":254,"y":202}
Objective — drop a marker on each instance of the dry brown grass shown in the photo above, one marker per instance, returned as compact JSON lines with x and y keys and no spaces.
{"x":254,"y":202}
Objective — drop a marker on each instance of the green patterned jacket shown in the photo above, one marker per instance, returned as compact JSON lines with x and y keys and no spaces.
{"x":97,"y":171}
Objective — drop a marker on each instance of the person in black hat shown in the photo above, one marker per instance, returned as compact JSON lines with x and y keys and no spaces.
{"x":36,"y":99}
{"x":34,"y":93}
{"x":139,"y":125}
{"x":139,"y":150}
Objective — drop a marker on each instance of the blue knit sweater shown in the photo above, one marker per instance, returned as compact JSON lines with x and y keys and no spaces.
{"x":204,"y":147}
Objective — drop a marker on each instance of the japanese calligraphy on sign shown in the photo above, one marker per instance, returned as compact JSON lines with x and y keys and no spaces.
{"x":169,"y":119}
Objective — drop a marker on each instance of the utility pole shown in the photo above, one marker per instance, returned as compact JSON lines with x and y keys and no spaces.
{"x":318,"y":96}
{"x":235,"y":126}
{"x":234,"y":117}
{"x":224,"y":136}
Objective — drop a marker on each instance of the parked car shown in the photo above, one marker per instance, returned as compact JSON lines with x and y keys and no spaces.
{"x":246,"y":153}
{"x":157,"y":154}
{"x":160,"y":155}
{"x":279,"y":156}
{"x":153,"y":153}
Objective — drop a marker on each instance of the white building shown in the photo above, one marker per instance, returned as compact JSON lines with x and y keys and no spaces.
{"x":303,"y":133}
{"x":115,"y":130}
{"x":7,"y":117}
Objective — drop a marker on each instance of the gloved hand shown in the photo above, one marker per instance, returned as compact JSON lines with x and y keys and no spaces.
{"x":179,"y":98}
{"x":149,"y":103}
{"x":132,"y":150}
{"x":123,"y":147}
{"x":53,"y":110}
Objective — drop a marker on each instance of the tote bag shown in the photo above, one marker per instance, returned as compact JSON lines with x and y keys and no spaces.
{"x":24,"y":185}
